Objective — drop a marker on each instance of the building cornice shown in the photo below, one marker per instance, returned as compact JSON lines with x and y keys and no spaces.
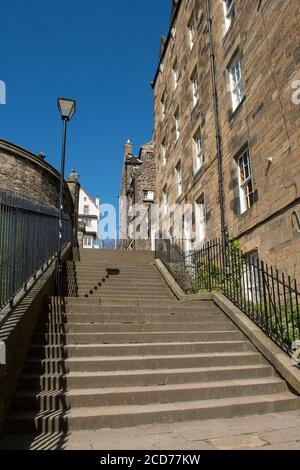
{"x":165,"y":48}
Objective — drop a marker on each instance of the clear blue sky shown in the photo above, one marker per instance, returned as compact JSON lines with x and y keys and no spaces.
{"x":104,"y":54}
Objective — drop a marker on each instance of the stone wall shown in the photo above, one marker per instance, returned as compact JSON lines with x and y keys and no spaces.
{"x":139,"y":175}
{"x":27,"y":175}
{"x":266,"y":35}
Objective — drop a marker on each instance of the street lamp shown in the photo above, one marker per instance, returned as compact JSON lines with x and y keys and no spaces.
{"x":67,"y":109}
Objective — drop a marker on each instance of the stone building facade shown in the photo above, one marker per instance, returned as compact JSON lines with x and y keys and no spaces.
{"x":137,"y":188}
{"x":227,"y":128}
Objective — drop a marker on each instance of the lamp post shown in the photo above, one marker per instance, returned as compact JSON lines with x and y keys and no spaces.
{"x":67,"y":109}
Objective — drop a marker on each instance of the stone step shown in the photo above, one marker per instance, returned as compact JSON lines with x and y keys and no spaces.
{"x":132,"y":415}
{"x":87,"y":305}
{"x":135,"y":327}
{"x":121,"y":378}
{"x":124,"y":286}
{"x":135,"y":338}
{"x":123,"y":302}
{"x":146,"y":395}
{"x":120,"y":282}
{"x":138,"y":349}
{"x":117,"y":269}
{"x":133,"y":363}
{"x":128,"y":296}
{"x":137,"y":318}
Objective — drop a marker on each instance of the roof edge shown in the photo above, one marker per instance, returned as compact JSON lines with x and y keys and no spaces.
{"x":162,"y":55}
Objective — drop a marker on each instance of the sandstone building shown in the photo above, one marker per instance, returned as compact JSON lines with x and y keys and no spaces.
{"x":137,"y":187}
{"x":226,"y":125}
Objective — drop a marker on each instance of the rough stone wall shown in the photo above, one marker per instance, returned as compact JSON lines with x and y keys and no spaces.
{"x":145,"y":181}
{"x":138,"y":176}
{"x":267,"y":35}
{"x":27,"y":175}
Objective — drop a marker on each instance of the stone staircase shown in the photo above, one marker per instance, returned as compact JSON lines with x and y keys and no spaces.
{"x":127,"y":352}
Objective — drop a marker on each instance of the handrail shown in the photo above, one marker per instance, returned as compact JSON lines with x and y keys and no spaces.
{"x":270,"y":299}
{"x":28,"y":240}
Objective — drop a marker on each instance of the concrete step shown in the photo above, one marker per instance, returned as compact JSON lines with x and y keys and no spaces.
{"x":86,"y":305}
{"x":139,"y":337}
{"x":121,"y":378}
{"x":123,"y":302}
{"x":116,"y":269}
{"x":131,"y":363}
{"x":118,"y":282}
{"x":135,"y":327}
{"x":124,"y":285}
{"x":138,"y":349}
{"x":145,"y":395}
{"x":132,"y":415}
{"x":128,"y":296}
{"x":125,"y":318}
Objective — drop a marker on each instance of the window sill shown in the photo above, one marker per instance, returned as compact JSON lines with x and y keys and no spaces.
{"x":232,"y":114}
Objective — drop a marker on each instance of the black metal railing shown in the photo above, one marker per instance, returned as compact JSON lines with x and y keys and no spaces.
{"x":28,"y":242}
{"x":269,"y":298}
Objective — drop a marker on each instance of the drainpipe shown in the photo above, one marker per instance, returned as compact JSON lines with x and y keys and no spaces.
{"x":216,"y":119}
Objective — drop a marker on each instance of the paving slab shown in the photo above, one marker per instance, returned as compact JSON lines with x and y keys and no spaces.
{"x":240,"y":433}
{"x":238,"y":442}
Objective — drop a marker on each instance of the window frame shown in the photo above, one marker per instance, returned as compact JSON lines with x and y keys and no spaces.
{"x":163,"y":105}
{"x":245,"y":182}
{"x":198,"y":152}
{"x":177,"y":124}
{"x":236,"y":81}
{"x":200,"y":217}
{"x":164,"y":152}
{"x":229,"y":13}
{"x":90,"y":240}
{"x":175,"y":72}
{"x":192,"y":32}
{"x":146,"y":193}
{"x":178,"y":170}
{"x":195,"y":87}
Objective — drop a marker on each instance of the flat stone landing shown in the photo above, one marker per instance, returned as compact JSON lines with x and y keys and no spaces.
{"x":276,"y":431}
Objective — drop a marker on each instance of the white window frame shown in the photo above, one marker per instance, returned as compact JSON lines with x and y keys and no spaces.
{"x":246,"y":189}
{"x":87,"y":242}
{"x":199,"y":152}
{"x":163,"y":106}
{"x":173,"y":33}
{"x":236,"y":81}
{"x":175,"y":75}
{"x":229,"y":12}
{"x":195,"y":87}
{"x":177,"y":124}
{"x":200,"y":217}
{"x":251,"y":276}
{"x":149,"y":195}
{"x":164,"y":152}
{"x":178,"y":170}
{"x":192,"y":32}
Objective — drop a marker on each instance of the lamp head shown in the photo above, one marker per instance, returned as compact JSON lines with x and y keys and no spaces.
{"x":67,"y":108}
